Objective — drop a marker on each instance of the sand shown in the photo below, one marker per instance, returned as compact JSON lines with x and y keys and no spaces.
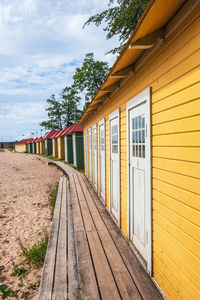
{"x":25,"y":213}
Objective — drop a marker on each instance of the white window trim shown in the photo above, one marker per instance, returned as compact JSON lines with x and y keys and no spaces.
{"x":144,"y":96}
{"x":115,"y":114}
{"x":102,"y":122}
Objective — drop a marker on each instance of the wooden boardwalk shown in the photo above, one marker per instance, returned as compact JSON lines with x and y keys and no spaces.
{"x":101,"y":264}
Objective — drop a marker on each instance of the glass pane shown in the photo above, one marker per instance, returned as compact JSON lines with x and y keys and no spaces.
{"x":133,"y":150}
{"x":140,"y":123}
{"x":143,"y":151}
{"x":114,"y":129}
{"x":136,"y":123}
{"x":136,"y":152}
{"x":140,"y":138}
{"x":143,"y":122}
{"x":139,"y":152}
{"x":136,"y":136}
{"x":115,"y":139}
{"x":115,"y":149}
{"x":133,"y":123}
{"x":143,"y":136}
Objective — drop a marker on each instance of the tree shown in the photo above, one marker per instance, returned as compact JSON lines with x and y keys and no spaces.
{"x":89,"y":77}
{"x":55,"y":113}
{"x":70,"y":101}
{"x":120,"y":19}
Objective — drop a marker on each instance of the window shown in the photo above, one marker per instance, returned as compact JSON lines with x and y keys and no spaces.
{"x":138,"y":136}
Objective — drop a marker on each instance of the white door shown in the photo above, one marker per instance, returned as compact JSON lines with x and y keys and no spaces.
{"x":114,"y":164}
{"x":74,"y":149}
{"x":102,"y":173}
{"x":86,"y":154}
{"x":139,"y":177}
{"x":94,"y":139}
{"x":90,"y":153}
{"x":65,"y":141}
{"x":59,"y":148}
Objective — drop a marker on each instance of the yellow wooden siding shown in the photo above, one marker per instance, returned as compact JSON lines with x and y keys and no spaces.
{"x":20,"y":148}
{"x":173,"y":73}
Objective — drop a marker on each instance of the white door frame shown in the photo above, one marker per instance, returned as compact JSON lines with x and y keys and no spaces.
{"x":102,"y":122}
{"x":93,"y":153}
{"x":113,"y":115}
{"x":143,"y":97}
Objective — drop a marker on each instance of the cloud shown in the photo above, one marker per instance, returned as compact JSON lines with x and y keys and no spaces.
{"x":42,"y":44}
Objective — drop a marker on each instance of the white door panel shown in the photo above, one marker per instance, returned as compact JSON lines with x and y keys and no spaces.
{"x":90,"y":153}
{"x":94,"y":138}
{"x":114,"y":164}
{"x":139,"y":175}
{"x":102,"y":173}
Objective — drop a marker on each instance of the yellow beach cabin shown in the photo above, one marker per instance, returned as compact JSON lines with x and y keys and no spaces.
{"x":142,"y":144}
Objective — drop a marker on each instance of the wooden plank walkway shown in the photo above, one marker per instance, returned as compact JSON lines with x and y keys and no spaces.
{"x":101,"y":264}
{"x":53,"y":283}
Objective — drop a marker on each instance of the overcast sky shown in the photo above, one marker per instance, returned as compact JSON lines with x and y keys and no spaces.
{"x":42,"y":43}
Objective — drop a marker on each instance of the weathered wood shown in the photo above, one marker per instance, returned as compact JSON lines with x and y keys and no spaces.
{"x":73,"y":279}
{"x":144,"y":283}
{"x":60,"y":278}
{"x":126,"y":287}
{"x":46,"y":284}
{"x":88,"y":286}
{"x":45,"y":160}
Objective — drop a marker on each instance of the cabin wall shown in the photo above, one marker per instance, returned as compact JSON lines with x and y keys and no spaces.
{"x":20,"y":148}
{"x":173,"y":74}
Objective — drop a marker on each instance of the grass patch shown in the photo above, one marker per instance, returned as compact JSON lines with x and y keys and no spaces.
{"x":53,"y":196}
{"x":36,"y":254}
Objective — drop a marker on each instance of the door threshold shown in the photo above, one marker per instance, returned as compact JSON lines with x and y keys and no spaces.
{"x":139,"y":256}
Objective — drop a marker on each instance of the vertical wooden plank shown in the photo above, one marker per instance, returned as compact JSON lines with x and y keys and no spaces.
{"x":46,"y":284}
{"x":88,"y":286}
{"x":60,"y":278}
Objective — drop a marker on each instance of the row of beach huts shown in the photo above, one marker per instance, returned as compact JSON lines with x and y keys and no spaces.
{"x":65,"y":144}
{"x":141,"y":145}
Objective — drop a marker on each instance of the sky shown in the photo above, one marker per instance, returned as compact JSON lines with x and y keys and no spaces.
{"x":42,"y":43}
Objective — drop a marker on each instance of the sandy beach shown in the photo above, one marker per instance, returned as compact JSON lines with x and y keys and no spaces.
{"x":25,"y":184}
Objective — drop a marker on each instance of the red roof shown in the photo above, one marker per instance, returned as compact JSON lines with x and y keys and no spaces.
{"x":39,"y":139}
{"x":70,"y":129}
{"x":64,"y":131}
{"x":53,"y":136}
{"x":77,"y":129}
{"x":35,"y":140}
{"x":50,"y":134}
{"x":59,"y":133}
{"x":24,"y":141}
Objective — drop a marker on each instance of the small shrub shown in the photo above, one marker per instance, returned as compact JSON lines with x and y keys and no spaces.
{"x":36,"y":254}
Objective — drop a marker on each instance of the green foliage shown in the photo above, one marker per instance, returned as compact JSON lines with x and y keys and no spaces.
{"x":36,"y":254}
{"x":89,"y":77}
{"x":120,"y":19}
{"x":6,"y":292}
{"x":55,"y":112}
{"x":53,"y":196}
{"x":70,"y":101}
{"x":18,"y":270}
